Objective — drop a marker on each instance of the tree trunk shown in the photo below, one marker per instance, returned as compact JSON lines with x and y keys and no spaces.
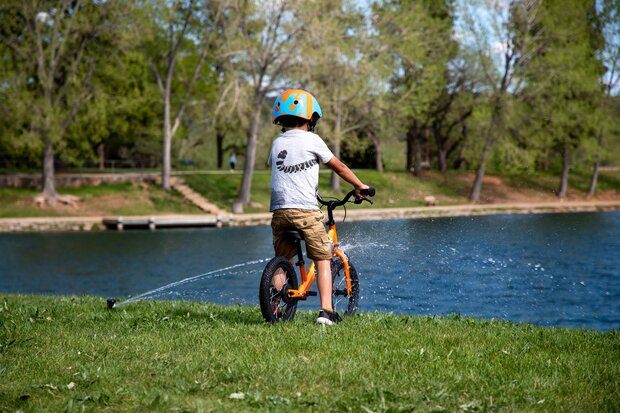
{"x":409,"y":164}
{"x":414,"y":149}
{"x":378,"y":155}
{"x":477,"y":187}
{"x":243,"y":198}
{"x":417,"y":154}
{"x":101,"y":153}
{"x":49,"y":184}
{"x":219,"y":141}
{"x":593,"y":178}
{"x":167,"y":144}
{"x":460,"y":160}
{"x":488,"y":143}
{"x":334,"y":182}
{"x":565,"y":167}
{"x":597,"y":159}
{"x":427,"y":147}
{"x":441,"y":151}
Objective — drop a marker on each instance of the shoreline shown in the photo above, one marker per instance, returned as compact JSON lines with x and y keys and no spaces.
{"x":96,"y":223}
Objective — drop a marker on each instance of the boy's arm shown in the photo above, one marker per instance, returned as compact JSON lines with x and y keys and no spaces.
{"x":345,"y":173}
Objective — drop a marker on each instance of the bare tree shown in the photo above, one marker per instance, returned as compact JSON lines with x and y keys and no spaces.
{"x":189,"y":25}
{"x":498,"y":34}
{"x":344,"y":82}
{"x":263,"y":49}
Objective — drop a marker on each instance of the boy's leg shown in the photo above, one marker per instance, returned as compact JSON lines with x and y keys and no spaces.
{"x":282,"y":247}
{"x":327,"y":315}
{"x":324,"y":283}
{"x":279,"y":277}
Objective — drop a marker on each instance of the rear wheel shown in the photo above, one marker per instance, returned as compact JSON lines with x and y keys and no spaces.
{"x":278,"y":277}
{"x":340,"y":297}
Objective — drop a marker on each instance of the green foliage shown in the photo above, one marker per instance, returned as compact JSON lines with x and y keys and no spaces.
{"x":564,"y":76}
{"x":397,"y":189}
{"x":388,"y":74}
{"x":73,"y":83}
{"x":70,"y":353}
{"x":358,"y":153}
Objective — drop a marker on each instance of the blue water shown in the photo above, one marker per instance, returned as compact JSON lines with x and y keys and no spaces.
{"x":552,"y":269}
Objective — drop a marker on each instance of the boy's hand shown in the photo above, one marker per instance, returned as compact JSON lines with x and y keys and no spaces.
{"x":358,"y":191}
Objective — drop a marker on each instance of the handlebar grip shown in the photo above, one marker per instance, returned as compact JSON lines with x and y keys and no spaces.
{"x":370,"y":192}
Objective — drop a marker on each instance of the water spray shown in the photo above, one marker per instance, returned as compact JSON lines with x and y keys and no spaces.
{"x":111,"y":302}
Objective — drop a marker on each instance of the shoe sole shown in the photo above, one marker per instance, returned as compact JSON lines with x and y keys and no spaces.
{"x":326,"y":321}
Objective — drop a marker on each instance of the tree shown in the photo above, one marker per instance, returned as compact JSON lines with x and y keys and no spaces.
{"x":508,"y":30}
{"x":55,"y":49}
{"x":610,"y":57}
{"x":263,"y":49}
{"x":565,"y":72}
{"x":417,"y":35}
{"x":230,"y":103}
{"x":121,"y":121}
{"x":186,"y":28}
{"x":338,"y":67}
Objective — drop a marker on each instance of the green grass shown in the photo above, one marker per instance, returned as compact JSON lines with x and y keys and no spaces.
{"x":396,"y":189}
{"x":104,"y":199}
{"x":72,"y":354}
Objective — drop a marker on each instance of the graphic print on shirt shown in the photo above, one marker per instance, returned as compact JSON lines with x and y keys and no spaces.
{"x":291,"y":169}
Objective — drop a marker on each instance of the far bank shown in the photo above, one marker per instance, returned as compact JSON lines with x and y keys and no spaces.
{"x":204,"y":198}
{"x":154,"y":222}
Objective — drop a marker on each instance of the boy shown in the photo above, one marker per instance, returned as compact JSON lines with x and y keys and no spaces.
{"x":294,"y":161}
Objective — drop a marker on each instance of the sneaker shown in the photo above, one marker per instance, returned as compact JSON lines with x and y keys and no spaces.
{"x":328,"y":317}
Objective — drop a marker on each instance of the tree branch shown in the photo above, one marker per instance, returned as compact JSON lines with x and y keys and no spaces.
{"x":61,"y":48}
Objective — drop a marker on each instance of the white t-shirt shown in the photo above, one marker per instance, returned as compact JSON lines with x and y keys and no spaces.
{"x":294,"y":161}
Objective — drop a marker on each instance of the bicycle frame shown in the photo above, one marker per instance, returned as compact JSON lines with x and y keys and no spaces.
{"x":308,"y":277}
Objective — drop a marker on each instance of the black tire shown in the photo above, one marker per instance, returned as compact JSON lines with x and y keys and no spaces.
{"x":339,"y":295}
{"x":275,"y":305}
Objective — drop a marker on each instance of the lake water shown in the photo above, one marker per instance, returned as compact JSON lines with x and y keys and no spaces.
{"x":551,"y":269}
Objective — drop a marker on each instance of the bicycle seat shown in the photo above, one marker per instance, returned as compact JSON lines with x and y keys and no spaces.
{"x":293,"y":235}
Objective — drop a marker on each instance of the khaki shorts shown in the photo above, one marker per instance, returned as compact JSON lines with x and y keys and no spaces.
{"x":310,"y":224}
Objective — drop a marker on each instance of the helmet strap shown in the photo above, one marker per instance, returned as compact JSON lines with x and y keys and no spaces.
{"x":312,"y":122}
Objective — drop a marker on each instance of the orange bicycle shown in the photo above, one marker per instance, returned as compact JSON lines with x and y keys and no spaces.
{"x":280,"y":303}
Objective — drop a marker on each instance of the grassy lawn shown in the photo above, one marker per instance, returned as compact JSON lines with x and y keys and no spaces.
{"x":104,"y":199}
{"x":402,"y":189}
{"x":72,"y":354}
{"x":578,"y":181}
{"x":396,"y":189}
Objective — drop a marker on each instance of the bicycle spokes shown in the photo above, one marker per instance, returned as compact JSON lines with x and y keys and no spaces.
{"x":278,"y":300}
{"x":277,"y":279}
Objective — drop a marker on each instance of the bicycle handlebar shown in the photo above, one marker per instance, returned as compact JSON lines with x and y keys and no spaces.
{"x":339,"y":202}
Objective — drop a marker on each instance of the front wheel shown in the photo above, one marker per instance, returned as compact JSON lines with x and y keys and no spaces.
{"x":339,"y":294}
{"x":278,"y":277}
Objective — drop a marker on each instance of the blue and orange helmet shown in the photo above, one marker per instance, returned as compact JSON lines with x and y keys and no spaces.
{"x":298,"y":103}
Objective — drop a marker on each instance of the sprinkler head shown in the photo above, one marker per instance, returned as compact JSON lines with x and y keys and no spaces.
{"x":111,"y":302}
